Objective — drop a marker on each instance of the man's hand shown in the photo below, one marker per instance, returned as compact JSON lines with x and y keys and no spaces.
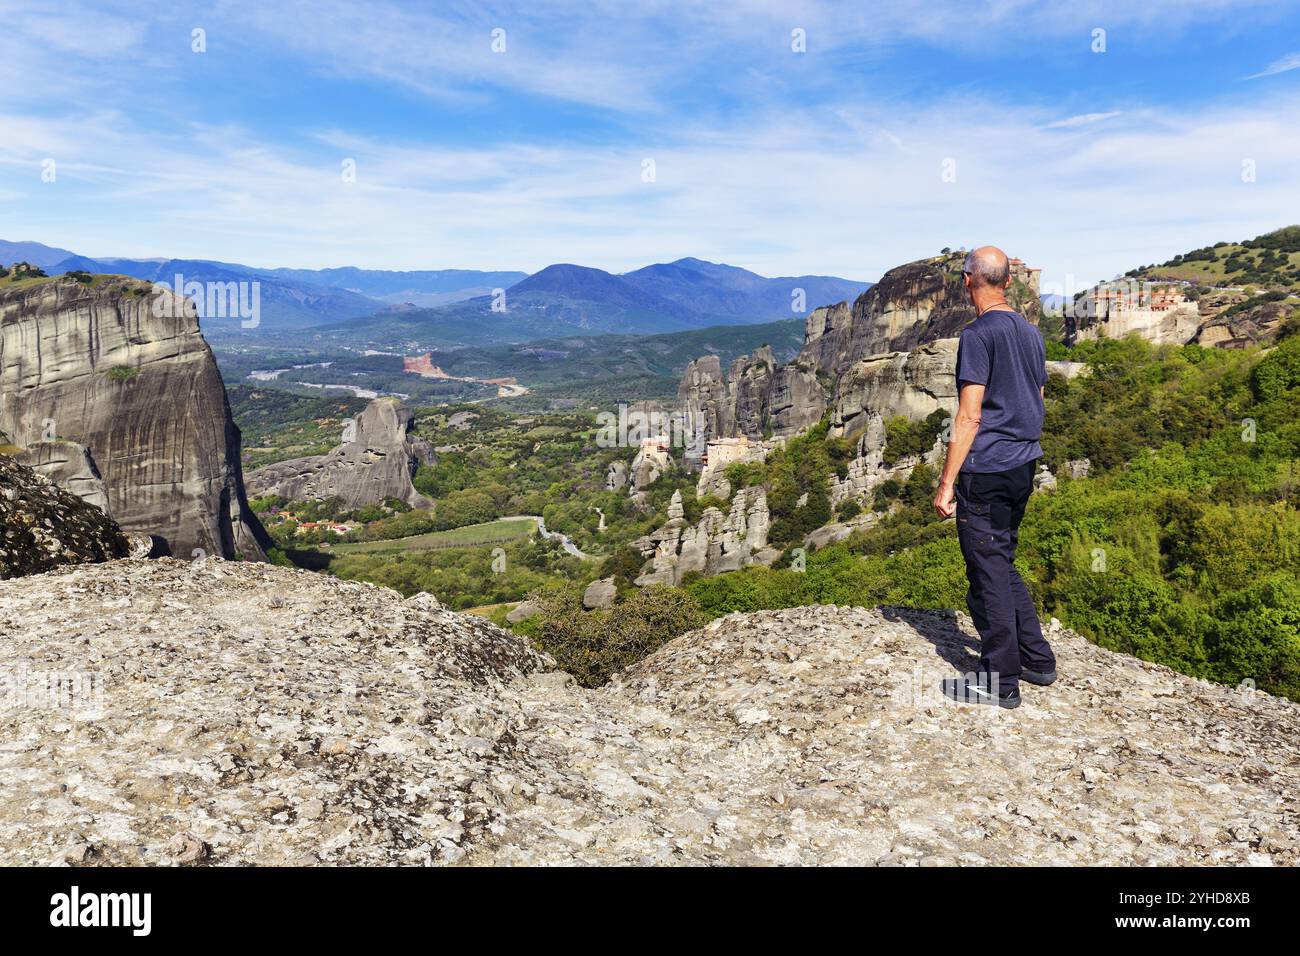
{"x":944,"y":502}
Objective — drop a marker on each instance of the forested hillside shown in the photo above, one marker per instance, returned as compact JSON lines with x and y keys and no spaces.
{"x":1182,"y":547}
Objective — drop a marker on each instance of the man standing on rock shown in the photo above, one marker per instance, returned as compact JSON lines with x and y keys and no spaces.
{"x":992,"y":453}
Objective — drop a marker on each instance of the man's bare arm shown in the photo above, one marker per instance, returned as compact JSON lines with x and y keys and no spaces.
{"x":964,"y":427}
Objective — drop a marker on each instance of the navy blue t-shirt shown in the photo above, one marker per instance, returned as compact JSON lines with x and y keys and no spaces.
{"x":1005,"y":354}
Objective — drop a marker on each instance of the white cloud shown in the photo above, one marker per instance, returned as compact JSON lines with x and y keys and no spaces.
{"x":780,"y":194}
{"x":633,"y":57}
{"x":1084,"y":119}
{"x":1287,"y":63}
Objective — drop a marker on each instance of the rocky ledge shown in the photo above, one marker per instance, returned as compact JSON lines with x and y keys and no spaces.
{"x":42,"y":526}
{"x":232,"y":713}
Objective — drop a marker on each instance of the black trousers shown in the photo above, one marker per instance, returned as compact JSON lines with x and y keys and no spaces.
{"x":989,"y":509}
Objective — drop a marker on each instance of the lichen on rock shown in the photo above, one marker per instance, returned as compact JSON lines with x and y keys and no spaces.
{"x":42,"y":526}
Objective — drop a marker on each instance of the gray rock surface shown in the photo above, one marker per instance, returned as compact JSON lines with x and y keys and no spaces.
{"x":912,"y":384}
{"x":1067,"y":370}
{"x":249,"y":714}
{"x":716,"y":543}
{"x":1255,"y":326}
{"x":1044,"y":480}
{"x":911,"y":305}
{"x":599,"y":593}
{"x":43,"y":526}
{"x":798,"y":400}
{"x":704,"y":403}
{"x":757,"y":399}
{"x":616,"y":478}
{"x":749,"y":391}
{"x":124,"y":372}
{"x":69,"y":466}
{"x":523,"y":611}
{"x":1078,"y":467}
{"x":377,"y":460}
{"x":839,"y":530}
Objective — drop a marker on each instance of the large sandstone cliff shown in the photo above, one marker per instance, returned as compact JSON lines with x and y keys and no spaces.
{"x":912,"y":384}
{"x":911,"y":305}
{"x":756,"y":398}
{"x":123,"y":371}
{"x":376,"y":461}
{"x":237,"y":713}
{"x":856,"y":360}
{"x":69,"y":466}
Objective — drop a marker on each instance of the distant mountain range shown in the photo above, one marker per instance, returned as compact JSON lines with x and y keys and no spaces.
{"x":450,"y":307}
{"x":426,"y":288}
{"x":291,"y":299}
{"x":285,"y":305}
{"x":567,"y":299}
{"x":38,"y":254}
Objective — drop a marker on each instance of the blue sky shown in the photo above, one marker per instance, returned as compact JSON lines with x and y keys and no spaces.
{"x":827,"y":161}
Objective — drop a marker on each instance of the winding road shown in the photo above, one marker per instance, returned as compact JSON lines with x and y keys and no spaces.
{"x":565,"y":541}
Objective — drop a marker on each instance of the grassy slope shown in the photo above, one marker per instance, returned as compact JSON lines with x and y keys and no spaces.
{"x":476,"y":535}
{"x":1260,"y":256}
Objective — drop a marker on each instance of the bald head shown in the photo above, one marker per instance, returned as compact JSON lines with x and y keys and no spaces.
{"x":988,"y":266}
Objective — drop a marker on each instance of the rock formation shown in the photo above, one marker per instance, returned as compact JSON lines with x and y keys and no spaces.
{"x":1160,"y":311}
{"x":1077,"y":468}
{"x":295,"y":718}
{"x":867,"y":471}
{"x":717,"y":543}
{"x":651,"y":460}
{"x":599,"y":593}
{"x":1257,"y":325}
{"x":1067,"y":370}
{"x":757,"y":399}
{"x":376,"y":461}
{"x":798,"y":400}
{"x":69,"y":466}
{"x":1177,"y":325}
{"x":703,"y":402}
{"x":123,"y":371}
{"x":862,"y":352}
{"x":911,"y":305}
{"x":1044,"y":480}
{"x":43,"y":526}
{"x":750,"y":386}
{"x":719,"y":454}
{"x":617,"y":477}
{"x":912,"y":384}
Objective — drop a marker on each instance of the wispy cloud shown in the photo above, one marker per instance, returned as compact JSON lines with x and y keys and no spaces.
{"x":779,"y":194}
{"x":640,"y":57}
{"x":1083,"y":119}
{"x":1283,"y":65}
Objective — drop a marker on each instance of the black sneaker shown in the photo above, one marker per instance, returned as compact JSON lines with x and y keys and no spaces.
{"x":1041,"y":678}
{"x":965,"y":691}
